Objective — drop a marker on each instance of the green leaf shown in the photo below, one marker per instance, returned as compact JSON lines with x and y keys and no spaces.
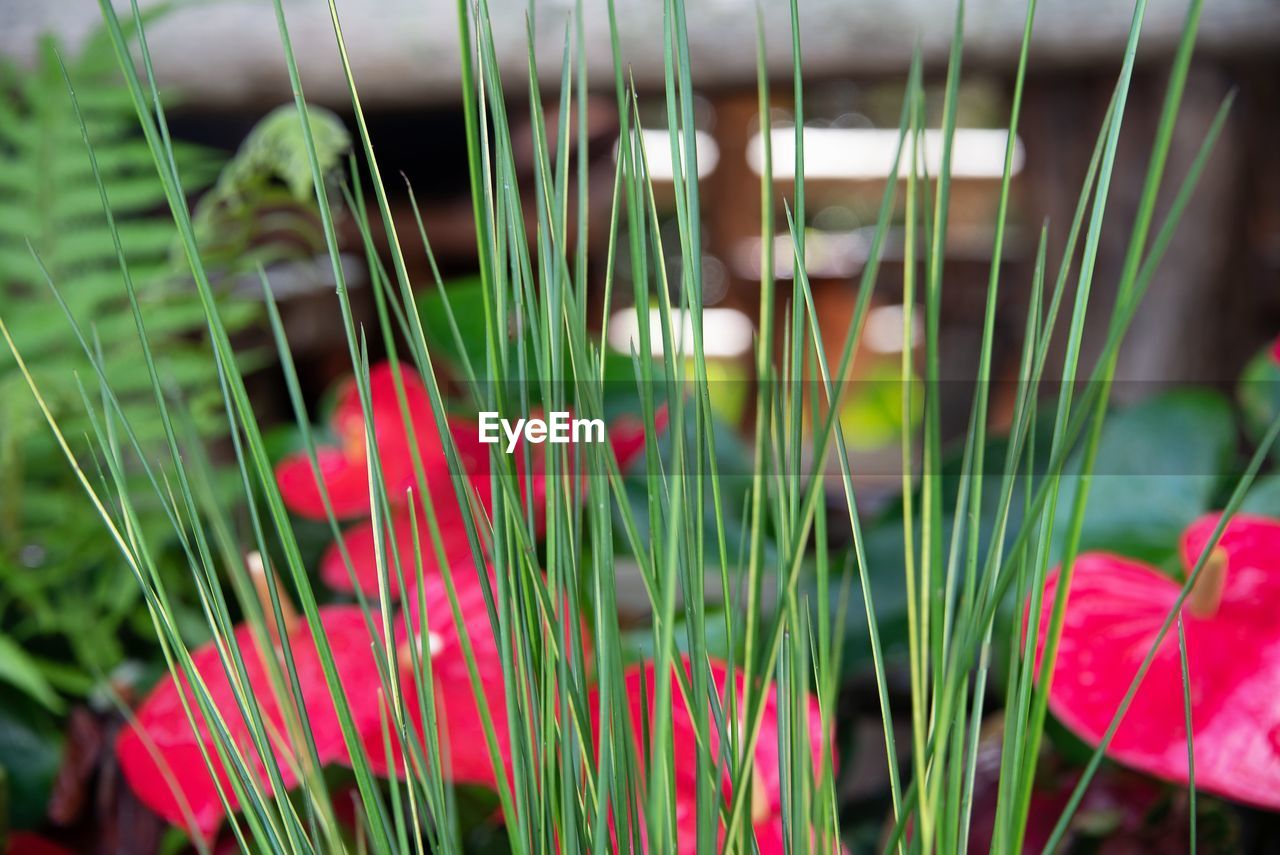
{"x":1264,"y":498}
{"x":276,"y":149}
{"x":1159,"y":466}
{"x":18,"y":669}
{"x":262,"y":210}
{"x":466,"y":299}
{"x":1259,"y":395}
{"x":30,"y":752}
{"x":61,"y":571}
{"x":638,"y":643}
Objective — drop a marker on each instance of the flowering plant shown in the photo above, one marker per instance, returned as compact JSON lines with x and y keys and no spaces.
{"x":338,"y":480}
{"x":497,"y":598}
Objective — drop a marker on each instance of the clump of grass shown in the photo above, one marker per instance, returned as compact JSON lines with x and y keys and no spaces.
{"x":580,"y":779}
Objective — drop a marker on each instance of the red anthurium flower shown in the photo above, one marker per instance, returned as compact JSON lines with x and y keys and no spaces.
{"x":627,"y":434}
{"x":344,"y":469}
{"x":344,"y":473}
{"x":1275,"y":352}
{"x":361,"y":549}
{"x":345,"y":476}
{"x":1115,"y":609}
{"x":461,"y":734}
{"x":766,"y":806}
{"x":461,"y":729}
{"x":160,"y":753}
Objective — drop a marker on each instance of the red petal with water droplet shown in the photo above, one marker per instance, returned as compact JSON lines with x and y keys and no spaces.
{"x":1114,"y":611}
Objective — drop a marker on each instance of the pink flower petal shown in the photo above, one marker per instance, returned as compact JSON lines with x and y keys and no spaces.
{"x":347,"y":482}
{"x":767,"y":806}
{"x":627,"y":435}
{"x":361,"y":542}
{"x":166,"y":727}
{"x":461,"y":731}
{"x":344,"y":469}
{"x":1114,"y":611}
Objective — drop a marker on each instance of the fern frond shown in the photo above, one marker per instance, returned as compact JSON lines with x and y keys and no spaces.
{"x":63,"y":578}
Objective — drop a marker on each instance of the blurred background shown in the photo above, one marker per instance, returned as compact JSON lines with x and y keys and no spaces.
{"x":1215,"y":299}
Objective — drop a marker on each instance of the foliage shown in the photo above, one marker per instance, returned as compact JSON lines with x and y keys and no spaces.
{"x":29,"y":755}
{"x":583,"y":755}
{"x":1264,"y":498}
{"x":64,"y":591}
{"x":1161,"y":463}
{"x":1258,"y":392}
{"x":261,"y":211}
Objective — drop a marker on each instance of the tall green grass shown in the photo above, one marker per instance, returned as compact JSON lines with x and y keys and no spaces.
{"x":574,"y":786}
